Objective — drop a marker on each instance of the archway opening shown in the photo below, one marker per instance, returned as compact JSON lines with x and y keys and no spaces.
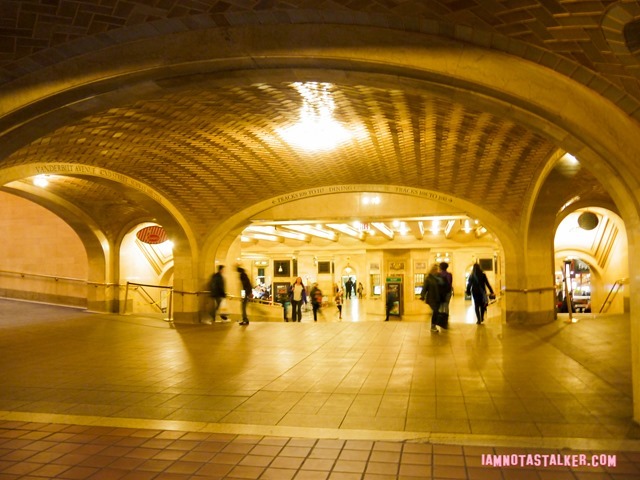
{"x":43,"y":259}
{"x":591,"y":261}
{"x":348,"y":241}
{"x":146,"y":270}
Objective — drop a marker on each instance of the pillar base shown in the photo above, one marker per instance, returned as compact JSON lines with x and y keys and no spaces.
{"x":530,"y":318}
{"x":186,"y":317}
{"x":103,"y":306}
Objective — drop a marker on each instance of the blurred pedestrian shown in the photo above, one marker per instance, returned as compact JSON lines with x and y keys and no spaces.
{"x":247,"y":290}
{"x":446,"y":289}
{"x":316,"y":300}
{"x":217,"y":293}
{"x":477,"y":286}
{"x":431,"y":295}
{"x":339,"y":301}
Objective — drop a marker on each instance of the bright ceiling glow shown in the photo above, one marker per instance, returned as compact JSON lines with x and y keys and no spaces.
{"x":570,"y":202}
{"x":316,"y":232}
{"x":264,"y":236}
{"x":166,"y":248}
{"x":41,"y":181}
{"x":371,"y":200}
{"x":316,"y":129}
{"x":390,"y":228}
{"x":571,"y":159}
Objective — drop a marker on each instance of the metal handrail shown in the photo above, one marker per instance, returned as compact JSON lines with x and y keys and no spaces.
{"x":149,"y":299}
{"x":169,"y":309}
{"x":58,"y":277}
{"x":529,"y":290}
{"x":234,"y":297}
{"x":616,"y":285}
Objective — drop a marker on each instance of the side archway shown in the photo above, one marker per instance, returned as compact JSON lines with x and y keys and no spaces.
{"x":98,"y":229}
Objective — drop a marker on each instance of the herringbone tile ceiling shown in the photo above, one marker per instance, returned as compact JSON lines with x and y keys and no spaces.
{"x":213,"y":151}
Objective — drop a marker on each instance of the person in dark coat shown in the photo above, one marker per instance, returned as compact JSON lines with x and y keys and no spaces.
{"x":447,"y":290}
{"x":248,"y":294}
{"x":316,"y":301}
{"x":431,"y":294}
{"x":348,"y":285}
{"x":217,"y":293}
{"x":390,"y":302}
{"x":477,"y":286}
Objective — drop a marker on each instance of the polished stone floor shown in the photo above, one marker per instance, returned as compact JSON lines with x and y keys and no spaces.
{"x":87,"y":395}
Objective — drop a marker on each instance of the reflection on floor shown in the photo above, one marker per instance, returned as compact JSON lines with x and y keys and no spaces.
{"x":104,"y":396}
{"x":363,"y":310}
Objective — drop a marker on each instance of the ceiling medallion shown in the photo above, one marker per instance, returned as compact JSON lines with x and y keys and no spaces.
{"x":152,"y":235}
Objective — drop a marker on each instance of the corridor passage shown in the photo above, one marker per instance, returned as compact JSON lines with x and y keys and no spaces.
{"x":86,"y":395}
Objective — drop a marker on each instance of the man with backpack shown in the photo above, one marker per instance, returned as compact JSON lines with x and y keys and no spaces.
{"x":446,"y":289}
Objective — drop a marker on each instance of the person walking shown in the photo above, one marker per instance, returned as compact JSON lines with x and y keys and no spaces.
{"x":446,"y":290}
{"x":217,"y":293}
{"x":477,"y":286}
{"x":316,"y":300}
{"x":389,"y":303}
{"x":431,"y":295}
{"x":247,"y":288}
{"x":360,"y":290}
{"x":347,"y":287}
{"x":339,"y":300}
{"x":298,"y":296}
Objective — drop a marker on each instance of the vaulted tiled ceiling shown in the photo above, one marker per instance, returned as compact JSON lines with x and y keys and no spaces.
{"x":213,"y":152}
{"x":213,"y":149}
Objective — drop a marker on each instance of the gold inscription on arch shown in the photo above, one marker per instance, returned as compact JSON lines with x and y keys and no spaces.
{"x":72,"y":169}
{"x":416,"y":192}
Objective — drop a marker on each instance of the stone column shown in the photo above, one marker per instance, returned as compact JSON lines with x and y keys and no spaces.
{"x":187,"y":288}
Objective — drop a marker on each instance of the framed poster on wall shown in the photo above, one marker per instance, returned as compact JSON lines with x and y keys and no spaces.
{"x":486,"y":264}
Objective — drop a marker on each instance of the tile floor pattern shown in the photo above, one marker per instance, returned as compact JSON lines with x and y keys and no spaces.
{"x":104,"y":396}
{"x":42,"y":451}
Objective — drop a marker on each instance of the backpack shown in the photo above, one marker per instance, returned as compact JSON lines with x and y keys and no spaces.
{"x":444,"y":289}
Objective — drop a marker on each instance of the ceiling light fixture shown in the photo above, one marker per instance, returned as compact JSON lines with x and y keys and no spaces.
{"x":571,"y":159}
{"x":264,"y":236}
{"x":316,"y":129}
{"x":316,"y":232}
{"x":41,"y":180}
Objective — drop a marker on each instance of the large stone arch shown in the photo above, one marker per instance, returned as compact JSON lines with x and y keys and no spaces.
{"x":221,"y":245}
{"x":574,"y":123}
{"x":102,"y":252}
